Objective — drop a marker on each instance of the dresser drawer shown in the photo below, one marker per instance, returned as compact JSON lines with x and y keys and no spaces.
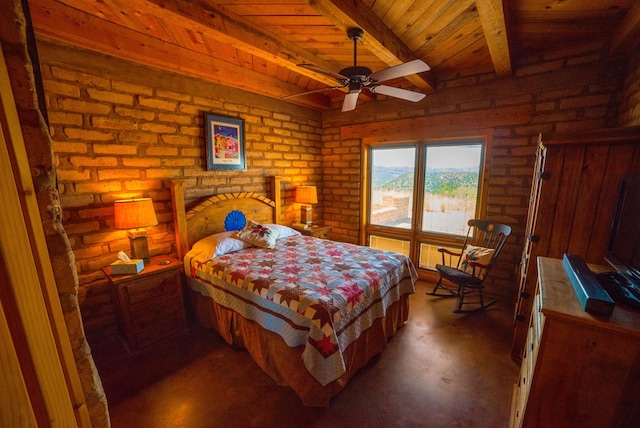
{"x":323,"y":234}
{"x":537,"y":316}
{"x":152,"y":287}
{"x":516,"y":407}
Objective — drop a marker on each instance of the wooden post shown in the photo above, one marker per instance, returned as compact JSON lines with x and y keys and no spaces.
{"x":50,"y":392}
{"x":179,"y":218}
{"x":276,"y":195}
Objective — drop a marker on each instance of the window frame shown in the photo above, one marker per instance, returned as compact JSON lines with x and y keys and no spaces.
{"x":415,"y":235}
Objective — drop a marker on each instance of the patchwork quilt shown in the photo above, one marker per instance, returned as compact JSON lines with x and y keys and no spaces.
{"x":312,"y":292}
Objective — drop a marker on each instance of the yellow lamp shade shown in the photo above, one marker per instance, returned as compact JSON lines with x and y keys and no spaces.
{"x":134,"y":213}
{"x":307,"y":195}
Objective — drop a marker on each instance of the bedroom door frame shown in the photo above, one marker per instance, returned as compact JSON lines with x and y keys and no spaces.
{"x":39,"y":379}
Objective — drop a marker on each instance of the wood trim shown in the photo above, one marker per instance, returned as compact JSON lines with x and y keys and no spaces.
{"x":276,"y":194}
{"x":417,"y":128}
{"x":83,"y":28}
{"x":625,"y":39}
{"x":622,"y":135}
{"x":37,"y":324}
{"x":491,"y":14}
{"x":16,"y":408}
{"x":180,"y":221}
{"x":208,"y":215}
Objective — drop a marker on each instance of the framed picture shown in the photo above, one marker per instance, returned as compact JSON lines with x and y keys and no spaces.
{"x":225,"y":142}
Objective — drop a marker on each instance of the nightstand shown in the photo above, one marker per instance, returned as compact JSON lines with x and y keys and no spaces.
{"x":149,"y":305}
{"x":323,"y":232}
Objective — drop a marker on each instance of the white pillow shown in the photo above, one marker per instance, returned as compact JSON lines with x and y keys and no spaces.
{"x":258,"y":234}
{"x":283,"y":231}
{"x":217,"y":245}
{"x":475,"y":254}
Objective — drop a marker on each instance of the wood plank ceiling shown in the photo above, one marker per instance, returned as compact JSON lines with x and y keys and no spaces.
{"x":256,"y":45}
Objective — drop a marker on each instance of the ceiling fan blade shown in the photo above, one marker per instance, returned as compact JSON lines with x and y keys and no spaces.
{"x":397,"y":93}
{"x":401,"y":70}
{"x":299,"y":94}
{"x":317,"y":69}
{"x":350,"y":101}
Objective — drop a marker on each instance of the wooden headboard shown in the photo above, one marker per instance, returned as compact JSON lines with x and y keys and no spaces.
{"x":208,"y":215}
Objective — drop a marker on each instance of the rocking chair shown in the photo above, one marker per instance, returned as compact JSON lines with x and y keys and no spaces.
{"x":479,"y":252}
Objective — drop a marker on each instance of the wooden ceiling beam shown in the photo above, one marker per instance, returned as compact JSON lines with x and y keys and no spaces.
{"x":225,"y":26}
{"x":627,"y":37}
{"x":491,"y":13}
{"x":77,"y":28}
{"x":378,"y":39}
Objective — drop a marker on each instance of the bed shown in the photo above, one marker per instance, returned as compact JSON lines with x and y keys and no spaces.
{"x":310,"y":312}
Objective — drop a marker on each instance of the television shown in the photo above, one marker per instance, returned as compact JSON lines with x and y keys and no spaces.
{"x":623,"y":248}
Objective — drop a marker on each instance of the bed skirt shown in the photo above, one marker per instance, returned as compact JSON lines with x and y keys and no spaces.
{"x":284,"y":364}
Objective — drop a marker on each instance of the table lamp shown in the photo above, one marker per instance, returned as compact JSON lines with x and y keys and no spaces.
{"x":135,"y":215}
{"x":306,"y":195}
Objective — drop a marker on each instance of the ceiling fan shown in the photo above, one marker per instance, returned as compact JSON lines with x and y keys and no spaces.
{"x":357,"y":77}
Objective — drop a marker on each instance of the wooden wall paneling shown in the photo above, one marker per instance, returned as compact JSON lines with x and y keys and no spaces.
{"x":584,"y":220}
{"x":570,"y":177}
{"x":618,"y":162}
{"x":549,"y":191}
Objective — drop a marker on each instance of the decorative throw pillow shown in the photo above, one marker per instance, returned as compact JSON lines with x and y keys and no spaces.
{"x":475,"y":254}
{"x":283,"y":231}
{"x":217,"y":245}
{"x":259,"y":235}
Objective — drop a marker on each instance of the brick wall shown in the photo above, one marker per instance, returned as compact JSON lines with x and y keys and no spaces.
{"x":121,"y":130}
{"x":563,"y":90}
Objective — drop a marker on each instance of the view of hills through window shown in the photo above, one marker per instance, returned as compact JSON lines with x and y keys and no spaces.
{"x":451,"y":177}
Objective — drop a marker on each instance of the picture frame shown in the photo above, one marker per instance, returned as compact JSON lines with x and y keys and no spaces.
{"x":225,"y":142}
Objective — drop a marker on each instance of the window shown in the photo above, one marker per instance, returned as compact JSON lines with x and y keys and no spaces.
{"x":422,"y":195}
{"x":450,"y":187}
{"x":392,"y":189}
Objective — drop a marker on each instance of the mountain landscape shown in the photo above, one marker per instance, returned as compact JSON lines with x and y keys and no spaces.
{"x":445,"y":182}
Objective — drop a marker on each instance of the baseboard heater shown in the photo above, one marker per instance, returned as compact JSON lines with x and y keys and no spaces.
{"x":593,"y":298}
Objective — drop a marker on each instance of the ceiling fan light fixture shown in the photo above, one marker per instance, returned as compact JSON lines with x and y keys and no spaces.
{"x":357,"y":77}
{"x":355,"y":88}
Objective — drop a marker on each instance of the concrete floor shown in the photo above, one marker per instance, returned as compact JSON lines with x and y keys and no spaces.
{"x":440,"y":370}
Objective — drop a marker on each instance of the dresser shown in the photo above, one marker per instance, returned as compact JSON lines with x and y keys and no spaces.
{"x":573,"y":196}
{"x":577,"y":370}
{"x":149,"y":305}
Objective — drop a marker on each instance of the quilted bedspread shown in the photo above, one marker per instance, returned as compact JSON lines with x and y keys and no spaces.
{"x":312,"y":292}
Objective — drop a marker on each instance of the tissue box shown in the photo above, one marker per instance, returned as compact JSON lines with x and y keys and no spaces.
{"x":121,"y":267}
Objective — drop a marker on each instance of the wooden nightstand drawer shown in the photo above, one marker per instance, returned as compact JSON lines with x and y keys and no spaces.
{"x":149,"y":305}
{"x":152,"y":287}
{"x":144,"y":316}
{"x":323,"y":232}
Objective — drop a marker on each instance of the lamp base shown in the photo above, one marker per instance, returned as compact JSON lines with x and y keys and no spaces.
{"x":139,"y":246}
{"x":306,"y":215}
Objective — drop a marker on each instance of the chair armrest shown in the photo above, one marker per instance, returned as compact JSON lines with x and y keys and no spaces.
{"x":476,"y":264}
{"x":451,"y":253}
